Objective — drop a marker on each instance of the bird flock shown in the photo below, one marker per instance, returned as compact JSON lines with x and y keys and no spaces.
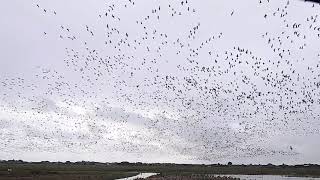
{"x":161,"y":78}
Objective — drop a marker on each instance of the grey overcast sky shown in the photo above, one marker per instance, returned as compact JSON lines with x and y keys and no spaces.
{"x":160,"y":81}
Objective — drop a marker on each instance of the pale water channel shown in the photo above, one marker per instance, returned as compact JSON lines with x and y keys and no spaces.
{"x":242,"y":177}
{"x":141,"y":175}
{"x":269,"y":177}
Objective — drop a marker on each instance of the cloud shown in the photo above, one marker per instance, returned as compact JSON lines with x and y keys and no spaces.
{"x":181,"y":84}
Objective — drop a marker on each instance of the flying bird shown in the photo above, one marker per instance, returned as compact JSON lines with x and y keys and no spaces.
{"x":313,"y":1}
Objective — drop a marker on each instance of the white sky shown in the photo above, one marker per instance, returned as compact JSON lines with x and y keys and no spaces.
{"x":68,"y":95}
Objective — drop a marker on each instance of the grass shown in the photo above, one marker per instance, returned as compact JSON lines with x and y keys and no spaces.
{"x":40,"y":171}
{"x":119,"y":170}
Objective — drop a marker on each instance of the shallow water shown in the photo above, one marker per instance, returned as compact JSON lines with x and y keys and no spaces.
{"x":270,"y":177}
{"x":141,"y":175}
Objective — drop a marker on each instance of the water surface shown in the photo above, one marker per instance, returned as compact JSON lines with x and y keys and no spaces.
{"x":141,"y":175}
{"x":270,"y":177}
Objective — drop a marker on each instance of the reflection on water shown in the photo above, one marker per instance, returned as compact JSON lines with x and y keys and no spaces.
{"x":141,"y":175}
{"x":270,"y":177}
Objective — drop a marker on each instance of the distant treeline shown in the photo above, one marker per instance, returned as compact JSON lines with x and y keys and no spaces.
{"x":155,"y":164}
{"x":22,"y":168}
